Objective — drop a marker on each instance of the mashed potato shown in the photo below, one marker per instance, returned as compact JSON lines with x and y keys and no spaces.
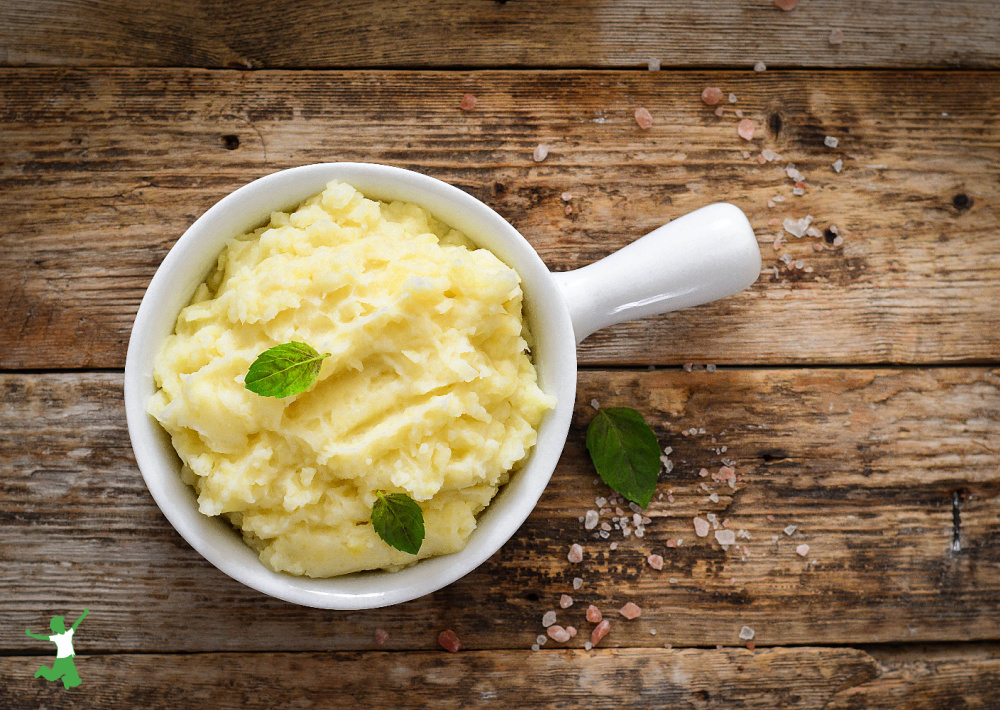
{"x":429,"y":390}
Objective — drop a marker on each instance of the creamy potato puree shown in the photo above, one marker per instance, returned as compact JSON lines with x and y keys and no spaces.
{"x":429,"y":390}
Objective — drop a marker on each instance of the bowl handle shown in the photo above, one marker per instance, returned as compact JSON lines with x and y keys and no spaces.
{"x":703,"y":256}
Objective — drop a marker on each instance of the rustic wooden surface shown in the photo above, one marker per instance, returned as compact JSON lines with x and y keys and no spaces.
{"x":859,"y":398}
{"x":100,"y":160}
{"x":500,"y":33}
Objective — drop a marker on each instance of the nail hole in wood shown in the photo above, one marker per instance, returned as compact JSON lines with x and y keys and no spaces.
{"x":231,"y":142}
{"x":775,"y":123}
{"x":829,"y":236}
{"x":962,"y":201}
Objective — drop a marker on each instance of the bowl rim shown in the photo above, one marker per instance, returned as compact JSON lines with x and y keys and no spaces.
{"x":544,"y":305}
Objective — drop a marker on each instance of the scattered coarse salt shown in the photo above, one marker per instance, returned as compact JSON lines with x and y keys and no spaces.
{"x":568,"y":210}
{"x":652,"y":632}
{"x":594,"y":614}
{"x":713,"y":519}
{"x":701,"y":527}
{"x":710,"y":368}
{"x":606,"y":526}
{"x":790,"y":530}
{"x":814,"y":232}
{"x":725,"y":538}
{"x":534,"y":647}
{"x":838,"y":165}
{"x":688,"y":366}
{"x":565,"y":601}
{"x":798,"y":191}
{"x":746,"y":633}
{"x":836,"y":36}
{"x":643,"y":118}
{"x":575,"y":553}
{"x":711,"y":95}
{"x":587,"y":645}
{"x":746,"y":153}
{"x":577,"y":582}
{"x":548,"y":618}
{"x":714,"y":497}
{"x":786,"y":5}
{"x":540,"y":153}
{"x":831,"y":142}
{"x":614,"y":546}
{"x":630,"y":611}
{"x":468,"y":102}
{"x":703,"y":472}
{"x":769,"y":155}
{"x":802,"y":550}
{"x":760,"y":66}
{"x":655,"y":561}
{"x":571,"y":630}
{"x":381,"y":636}
{"x":653,"y":65}
{"x":448,"y":640}
{"x":739,"y":113}
{"x":751,"y":645}
{"x":590,"y":519}
{"x":838,"y":241}
{"x":778,"y":198}
{"x":792,"y":172}
{"x":746,"y":129}
{"x":800,"y":263}
{"x":600,"y":631}
{"x":774,"y":538}
{"x":600,"y":501}
{"x":732,"y":98}
{"x":541,"y":639}
{"x":595,"y":404}
{"x":558,"y":634}
{"x":719,"y":111}
{"x":634,"y":507}
{"x":673,"y":580}
{"x":777,"y":243}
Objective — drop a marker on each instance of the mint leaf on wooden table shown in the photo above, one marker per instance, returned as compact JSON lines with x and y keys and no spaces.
{"x":399,"y":521}
{"x":625,"y":452}
{"x":284,"y":370}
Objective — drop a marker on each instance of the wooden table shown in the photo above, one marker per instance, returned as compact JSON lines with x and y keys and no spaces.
{"x":858,"y":392}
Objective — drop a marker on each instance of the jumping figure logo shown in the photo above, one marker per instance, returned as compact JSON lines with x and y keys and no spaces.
{"x":63,"y":639}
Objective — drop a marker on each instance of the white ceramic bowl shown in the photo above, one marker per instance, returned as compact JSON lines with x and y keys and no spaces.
{"x":708,"y":254}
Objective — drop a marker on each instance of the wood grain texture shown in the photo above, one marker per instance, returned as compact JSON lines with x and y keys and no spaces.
{"x":102,"y":171}
{"x":487,"y":34}
{"x":806,"y":678}
{"x":889,"y":475}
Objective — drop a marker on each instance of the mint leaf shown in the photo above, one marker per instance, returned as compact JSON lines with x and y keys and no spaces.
{"x":399,"y":521}
{"x":284,"y":370}
{"x":625,"y":452}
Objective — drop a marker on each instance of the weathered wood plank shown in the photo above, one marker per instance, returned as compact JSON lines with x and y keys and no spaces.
{"x":533,"y":33}
{"x":882,"y":472}
{"x":786,"y":678}
{"x":102,"y":171}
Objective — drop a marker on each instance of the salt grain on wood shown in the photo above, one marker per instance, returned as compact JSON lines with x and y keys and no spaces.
{"x":630,"y":611}
{"x":786,"y":5}
{"x":591,"y":519}
{"x":565,"y":601}
{"x":558,"y":634}
{"x":836,"y":36}
{"x":449,"y":641}
{"x":711,"y":95}
{"x":381,"y":636}
{"x":760,"y":66}
{"x":575,"y":553}
{"x":643,"y":118}
{"x":577,"y":582}
{"x":600,"y":631}
{"x":701,"y":527}
{"x":468,"y":102}
{"x":746,"y":129}
{"x":540,"y":153}
{"x":548,"y":618}
{"x":655,"y":561}
{"x":594,"y":614}
{"x":746,"y":633}
{"x":802,"y":550}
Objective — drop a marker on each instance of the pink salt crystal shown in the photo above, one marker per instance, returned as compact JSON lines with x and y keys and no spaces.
{"x":719,"y":111}
{"x":838,"y":241}
{"x":381,"y":636}
{"x":836,"y":36}
{"x":773,"y":221}
{"x":711,"y":95}
{"x":771,"y":518}
{"x":569,"y":209}
{"x":548,"y":618}
{"x":761,"y":159}
{"x":540,"y":153}
{"x":567,"y":196}
{"x":655,"y":561}
{"x":786,"y":5}
{"x":817,"y":247}
{"x":594,"y":614}
{"x":630,"y":611}
{"x":643,"y":118}
{"x":802,"y":550}
{"x":746,"y":129}
{"x":701,"y":527}
{"x":703,"y":472}
{"x":449,"y":641}
{"x":558,"y":634}
{"x":468,"y":102}
{"x":565,"y":601}
{"x":600,"y":631}
{"x":575,"y":553}
{"x":571,"y":630}
{"x":725,"y":537}
{"x":746,"y":154}
{"x":777,"y":243}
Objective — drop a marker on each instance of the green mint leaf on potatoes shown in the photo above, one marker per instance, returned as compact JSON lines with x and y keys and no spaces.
{"x":284,"y":370}
{"x":625,"y":452}
{"x":399,"y":521}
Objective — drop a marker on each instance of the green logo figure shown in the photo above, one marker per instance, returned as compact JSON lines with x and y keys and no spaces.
{"x":63,"y":667}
